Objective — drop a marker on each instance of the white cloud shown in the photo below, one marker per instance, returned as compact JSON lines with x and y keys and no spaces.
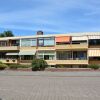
{"x":50,"y":13}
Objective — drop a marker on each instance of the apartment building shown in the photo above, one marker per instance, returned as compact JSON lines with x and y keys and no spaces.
{"x":70,"y":50}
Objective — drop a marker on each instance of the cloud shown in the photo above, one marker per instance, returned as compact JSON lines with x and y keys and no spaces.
{"x":50,"y":15}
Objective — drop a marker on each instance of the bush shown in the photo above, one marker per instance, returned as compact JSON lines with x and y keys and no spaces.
{"x":3,"y":66}
{"x":39,"y":64}
{"x":94,"y":66}
{"x":1,"y":62}
{"x":15,"y":66}
{"x":23,"y":66}
{"x":59,"y":66}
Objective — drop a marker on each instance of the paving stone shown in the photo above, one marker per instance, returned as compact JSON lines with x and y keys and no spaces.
{"x":49,"y":85}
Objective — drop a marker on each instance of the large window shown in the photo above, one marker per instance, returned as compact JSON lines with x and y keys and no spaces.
{"x":28,"y":42}
{"x":94,"y":42}
{"x":46,"y":41}
{"x":64,"y":55}
{"x":2,"y":55}
{"x":3,"y":43}
{"x":79,"y":55}
{"x":69,"y":55}
{"x":15,"y":42}
{"x":46,"y":55}
{"x":94,"y":58}
{"x":49,"y":42}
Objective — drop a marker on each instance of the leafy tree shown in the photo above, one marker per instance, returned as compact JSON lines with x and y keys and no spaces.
{"x":2,"y":35}
{"x":7,"y":34}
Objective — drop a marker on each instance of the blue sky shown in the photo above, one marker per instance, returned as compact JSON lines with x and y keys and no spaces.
{"x":25,"y":17}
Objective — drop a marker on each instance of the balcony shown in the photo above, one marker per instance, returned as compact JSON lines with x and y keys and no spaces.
{"x":94,"y":62}
{"x":9,"y":61}
{"x":50,"y":62}
{"x":27,"y":48}
{"x":94,"y":46}
{"x":25,"y":61}
{"x":46,"y":48}
{"x":62,"y":62}
{"x":9,"y":48}
{"x":67,"y":62}
{"x":72,"y":62}
{"x":72,"y":47}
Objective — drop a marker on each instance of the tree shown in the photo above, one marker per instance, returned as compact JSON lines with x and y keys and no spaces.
{"x":7,"y":34}
{"x":2,"y":35}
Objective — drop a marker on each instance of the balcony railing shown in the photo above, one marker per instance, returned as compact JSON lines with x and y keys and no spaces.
{"x":70,"y":62}
{"x":9,"y":61}
{"x":26,"y":61}
{"x":8,"y":48}
{"x":54,"y":62}
{"x":46,"y":48}
{"x":67,"y":62}
{"x":94,"y":62}
{"x":71,"y":46}
{"x":27,"y":48}
{"x":51,"y":62}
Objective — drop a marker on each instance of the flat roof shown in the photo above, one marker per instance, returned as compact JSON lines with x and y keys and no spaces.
{"x":52,"y":35}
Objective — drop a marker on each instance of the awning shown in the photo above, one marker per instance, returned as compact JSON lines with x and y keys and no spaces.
{"x":79,"y":38}
{"x":94,"y":53}
{"x":63,"y":39}
{"x":27,"y":52}
{"x":94,"y":37}
{"x":12,"y":54}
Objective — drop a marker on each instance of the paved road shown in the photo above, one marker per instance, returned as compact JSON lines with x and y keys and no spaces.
{"x":49,"y":85}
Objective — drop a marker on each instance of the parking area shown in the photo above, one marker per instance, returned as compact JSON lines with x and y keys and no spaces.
{"x":16,"y":85}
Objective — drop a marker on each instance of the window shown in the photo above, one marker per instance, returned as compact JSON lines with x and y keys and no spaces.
{"x":79,"y":42}
{"x":49,"y":42}
{"x":64,"y":55}
{"x":46,"y":55}
{"x":94,"y":58}
{"x":46,"y":41}
{"x":33,"y":42}
{"x":80,"y":55}
{"x":2,"y":55}
{"x":94,"y":42}
{"x":28,"y":42}
{"x":12,"y":57}
{"x":40,"y":56}
{"x":15,"y":42}
{"x":51,"y":57}
{"x":3,"y":43}
{"x":40,"y":42}
{"x":27,"y":57}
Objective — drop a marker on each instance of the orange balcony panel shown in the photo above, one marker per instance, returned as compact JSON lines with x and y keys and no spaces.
{"x":63,"y":39}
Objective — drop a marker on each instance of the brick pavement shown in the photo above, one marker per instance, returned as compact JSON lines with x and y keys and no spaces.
{"x":49,"y":85}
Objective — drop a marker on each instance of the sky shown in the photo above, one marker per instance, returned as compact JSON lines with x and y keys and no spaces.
{"x":26,"y":17}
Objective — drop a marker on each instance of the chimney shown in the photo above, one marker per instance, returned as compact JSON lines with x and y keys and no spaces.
{"x":39,"y":32}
